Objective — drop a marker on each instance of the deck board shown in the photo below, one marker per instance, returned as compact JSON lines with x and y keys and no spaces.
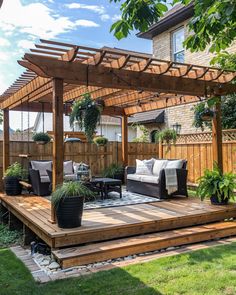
{"x":115,"y":222}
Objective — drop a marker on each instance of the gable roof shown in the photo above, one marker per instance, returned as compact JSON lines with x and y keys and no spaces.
{"x":173,"y":17}
{"x":155,"y":116}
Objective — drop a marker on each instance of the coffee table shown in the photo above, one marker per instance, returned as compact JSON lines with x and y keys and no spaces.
{"x":109,"y":185}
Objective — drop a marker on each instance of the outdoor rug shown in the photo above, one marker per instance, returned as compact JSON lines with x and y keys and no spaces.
{"x":114,"y":200}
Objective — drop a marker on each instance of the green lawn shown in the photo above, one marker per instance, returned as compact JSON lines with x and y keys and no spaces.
{"x":209,"y":271}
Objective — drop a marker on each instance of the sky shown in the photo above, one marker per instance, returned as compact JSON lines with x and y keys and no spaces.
{"x":85,"y":22}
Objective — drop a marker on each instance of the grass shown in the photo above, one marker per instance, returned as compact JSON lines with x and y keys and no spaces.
{"x":210,"y":271}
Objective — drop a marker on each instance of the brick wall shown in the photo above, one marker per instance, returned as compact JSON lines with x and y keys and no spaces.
{"x":162,"y":50}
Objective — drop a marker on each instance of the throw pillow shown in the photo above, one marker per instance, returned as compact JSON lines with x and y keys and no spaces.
{"x":158,"y":166}
{"x":144,"y":167}
{"x":68,"y":167}
{"x":176,"y":164}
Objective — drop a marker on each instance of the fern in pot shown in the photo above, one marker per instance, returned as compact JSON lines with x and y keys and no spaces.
{"x":87,"y":113}
{"x":115,"y":171}
{"x":12,"y":177}
{"x":217,"y":186}
{"x":68,"y":201}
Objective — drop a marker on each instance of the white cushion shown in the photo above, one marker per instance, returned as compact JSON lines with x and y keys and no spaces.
{"x":68,"y":167}
{"x":158,"y":166}
{"x":150,"y":178}
{"x":144,"y":167}
{"x":176,"y":164}
{"x":42,"y":166}
{"x":44,"y":179}
{"x":135,"y":177}
{"x":70,"y":177}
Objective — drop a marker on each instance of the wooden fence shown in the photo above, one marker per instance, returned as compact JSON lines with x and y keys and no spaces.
{"x":198,"y":154}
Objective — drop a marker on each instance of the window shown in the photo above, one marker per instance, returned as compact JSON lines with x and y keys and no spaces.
{"x":177,"y":45}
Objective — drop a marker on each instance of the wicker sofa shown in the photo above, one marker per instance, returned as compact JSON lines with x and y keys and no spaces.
{"x":154,"y":185}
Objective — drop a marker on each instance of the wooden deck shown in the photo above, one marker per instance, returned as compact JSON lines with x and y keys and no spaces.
{"x":114,"y":222}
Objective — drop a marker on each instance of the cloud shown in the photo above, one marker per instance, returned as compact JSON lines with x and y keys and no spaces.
{"x":105,"y":17}
{"x":86,"y":23}
{"x":96,"y":8}
{"x":35,"y":19}
{"x":116,"y":17}
{"x":26,"y":44}
{"x":4,"y":42}
{"x":3,"y":56}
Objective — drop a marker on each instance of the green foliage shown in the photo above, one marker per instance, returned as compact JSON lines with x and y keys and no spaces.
{"x":144,"y":137}
{"x":112,"y":170}
{"x":8,"y":237}
{"x":41,"y":136}
{"x":214,"y":21}
{"x":100,"y":140}
{"x":16,"y":170}
{"x":138,"y":15}
{"x":215,"y":183}
{"x":70,"y":189}
{"x":167,"y":136}
{"x":202,"y":111}
{"x":87,"y":113}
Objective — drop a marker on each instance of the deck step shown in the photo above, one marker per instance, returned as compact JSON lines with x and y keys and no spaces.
{"x":96,"y":252}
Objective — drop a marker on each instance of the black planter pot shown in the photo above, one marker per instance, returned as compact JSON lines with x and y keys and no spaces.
{"x":215,"y":201}
{"x":69,"y":212}
{"x":12,"y":186}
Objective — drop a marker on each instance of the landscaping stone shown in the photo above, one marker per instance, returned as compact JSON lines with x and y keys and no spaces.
{"x":53,"y":265}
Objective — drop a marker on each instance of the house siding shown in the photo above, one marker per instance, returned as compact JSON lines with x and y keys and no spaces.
{"x":162,"y":50}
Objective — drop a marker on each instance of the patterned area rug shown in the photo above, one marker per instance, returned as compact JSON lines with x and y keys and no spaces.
{"x":114,"y":200}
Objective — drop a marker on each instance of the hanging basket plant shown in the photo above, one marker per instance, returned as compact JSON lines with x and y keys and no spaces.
{"x":204,"y":113}
{"x":87,"y":113}
{"x":100,"y":140}
{"x":168,"y":137}
{"x":41,"y":138}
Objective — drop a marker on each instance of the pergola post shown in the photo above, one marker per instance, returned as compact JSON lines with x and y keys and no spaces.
{"x":6,"y":145}
{"x":217,"y":137}
{"x":124,"y":137}
{"x":58,"y":140}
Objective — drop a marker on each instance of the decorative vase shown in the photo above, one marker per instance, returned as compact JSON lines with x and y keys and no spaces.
{"x":12,"y":186}
{"x":69,"y":211}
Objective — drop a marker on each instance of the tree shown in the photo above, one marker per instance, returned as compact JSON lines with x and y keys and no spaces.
{"x":213,"y":24}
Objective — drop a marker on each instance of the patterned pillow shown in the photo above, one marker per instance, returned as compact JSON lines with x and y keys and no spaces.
{"x":144,"y":167}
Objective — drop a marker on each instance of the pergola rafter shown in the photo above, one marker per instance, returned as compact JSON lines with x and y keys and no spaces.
{"x":128,"y":82}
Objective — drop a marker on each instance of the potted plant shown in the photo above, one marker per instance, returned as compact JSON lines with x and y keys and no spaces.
{"x":100,"y":140}
{"x":115,"y":171}
{"x":68,"y":201}
{"x":12,"y":177}
{"x":41,"y":138}
{"x":167,"y":136}
{"x":87,"y":113}
{"x":217,"y":186}
{"x":203,"y":113}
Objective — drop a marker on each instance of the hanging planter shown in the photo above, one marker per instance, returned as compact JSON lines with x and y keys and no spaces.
{"x":87,"y":113}
{"x":167,"y":136}
{"x":41,"y":138}
{"x":100,"y":140}
{"x":204,"y":113}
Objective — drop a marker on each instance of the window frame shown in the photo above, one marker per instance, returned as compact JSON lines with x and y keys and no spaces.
{"x":173,"y":40}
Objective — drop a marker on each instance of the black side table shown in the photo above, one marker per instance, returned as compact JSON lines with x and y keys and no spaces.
{"x":110,"y":185}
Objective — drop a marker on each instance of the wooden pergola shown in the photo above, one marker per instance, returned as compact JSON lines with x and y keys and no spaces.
{"x":127,"y":82}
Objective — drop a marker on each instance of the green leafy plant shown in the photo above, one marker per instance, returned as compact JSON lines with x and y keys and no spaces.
{"x":70,"y":189}
{"x":87,"y":113}
{"x":112,"y":170}
{"x":144,"y":137}
{"x":100,"y":140}
{"x":216,"y":183}
{"x":41,"y":137}
{"x":16,"y":170}
{"x":167,"y":136}
{"x":203,"y":113}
